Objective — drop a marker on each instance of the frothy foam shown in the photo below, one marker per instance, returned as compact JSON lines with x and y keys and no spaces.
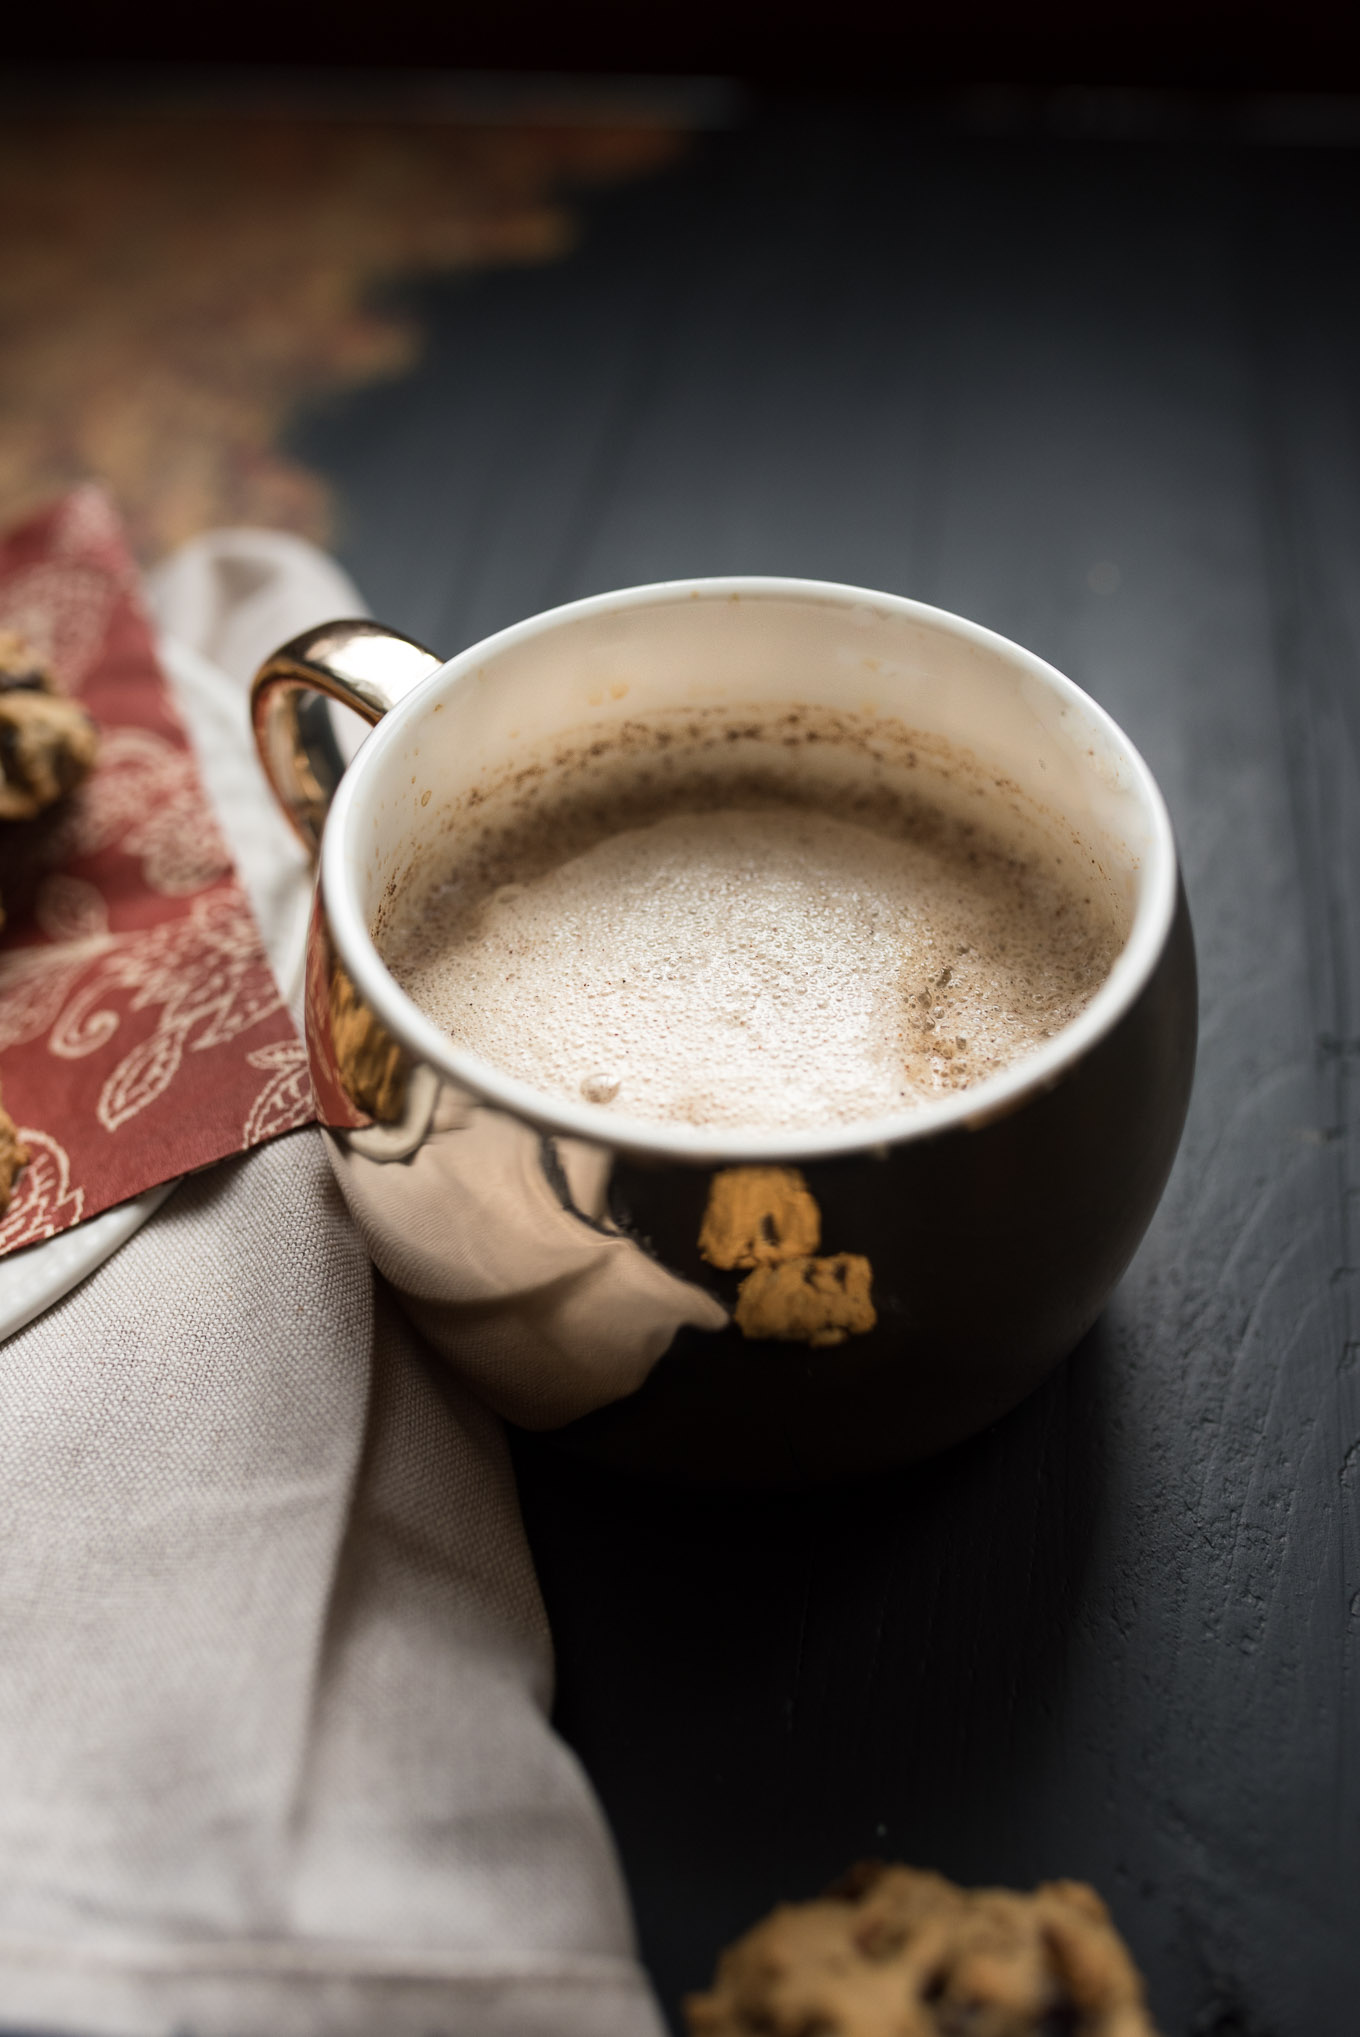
{"x":773,"y":965}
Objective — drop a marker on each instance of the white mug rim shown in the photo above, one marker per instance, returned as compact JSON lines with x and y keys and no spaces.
{"x":996,"y":1096}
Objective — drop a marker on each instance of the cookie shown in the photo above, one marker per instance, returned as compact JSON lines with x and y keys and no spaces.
{"x":47,"y":742}
{"x":897,"y":1952}
{"x":13,"y":1156}
{"x":47,"y":745}
{"x":21,"y":669}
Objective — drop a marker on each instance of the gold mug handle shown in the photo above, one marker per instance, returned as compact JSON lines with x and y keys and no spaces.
{"x":359,"y":663}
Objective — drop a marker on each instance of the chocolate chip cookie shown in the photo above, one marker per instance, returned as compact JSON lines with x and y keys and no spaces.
{"x":47,"y":742}
{"x":895,"y":1952}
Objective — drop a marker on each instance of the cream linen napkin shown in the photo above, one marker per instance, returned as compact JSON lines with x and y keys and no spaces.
{"x":274,"y":1671}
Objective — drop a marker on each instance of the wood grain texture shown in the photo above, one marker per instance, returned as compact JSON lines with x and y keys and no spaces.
{"x":1104,"y":398}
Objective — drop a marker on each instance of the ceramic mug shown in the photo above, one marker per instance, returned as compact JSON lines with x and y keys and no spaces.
{"x":594,"y":1275}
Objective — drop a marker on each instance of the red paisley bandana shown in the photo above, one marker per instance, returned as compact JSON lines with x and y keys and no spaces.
{"x":141,"y":1030}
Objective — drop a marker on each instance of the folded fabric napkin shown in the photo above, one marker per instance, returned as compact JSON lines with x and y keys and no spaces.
{"x":141,"y":1028}
{"x":274,"y":1671}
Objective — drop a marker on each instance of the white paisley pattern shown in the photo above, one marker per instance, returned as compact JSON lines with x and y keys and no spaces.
{"x":62,"y":604}
{"x":205,"y":973}
{"x":285,"y":1102}
{"x":35,"y":983}
{"x":145,"y":799}
{"x":44,"y":1201}
{"x":62,"y":609}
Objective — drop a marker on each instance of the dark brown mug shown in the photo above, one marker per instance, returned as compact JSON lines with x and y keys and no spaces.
{"x":615,"y":1280}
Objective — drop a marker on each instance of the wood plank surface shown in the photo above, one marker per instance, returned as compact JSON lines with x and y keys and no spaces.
{"x":1105,"y":397}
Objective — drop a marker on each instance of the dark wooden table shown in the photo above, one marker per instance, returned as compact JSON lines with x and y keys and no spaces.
{"x":1102,"y":394}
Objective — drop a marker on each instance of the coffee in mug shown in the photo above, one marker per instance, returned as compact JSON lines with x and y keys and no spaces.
{"x":768,"y":921}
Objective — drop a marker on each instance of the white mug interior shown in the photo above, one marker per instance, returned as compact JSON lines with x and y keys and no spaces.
{"x":746,"y":642}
